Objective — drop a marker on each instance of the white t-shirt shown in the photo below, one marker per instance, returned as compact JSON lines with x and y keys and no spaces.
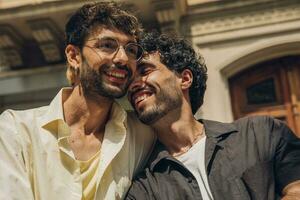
{"x":194,"y":161}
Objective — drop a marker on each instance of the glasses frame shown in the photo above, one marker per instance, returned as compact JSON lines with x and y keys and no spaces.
{"x":117,"y":49}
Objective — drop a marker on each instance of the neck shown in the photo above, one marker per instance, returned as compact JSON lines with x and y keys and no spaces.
{"x":178,"y":130}
{"x":88,"y":114}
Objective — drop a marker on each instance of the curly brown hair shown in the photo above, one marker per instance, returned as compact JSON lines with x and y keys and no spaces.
{"x":177,"y":54}
{"x":84,"y":21}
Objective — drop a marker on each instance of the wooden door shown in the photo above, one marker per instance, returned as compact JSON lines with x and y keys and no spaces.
{"x":270,"y":88}
{"x":293,"y":72}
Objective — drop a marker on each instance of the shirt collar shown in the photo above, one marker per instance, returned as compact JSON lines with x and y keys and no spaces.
{"x":117,"y":117}
{"x":53,"y":120}
{"x":159,"y":153}
{"x":217,"y":129}
{"x":212,"y":129}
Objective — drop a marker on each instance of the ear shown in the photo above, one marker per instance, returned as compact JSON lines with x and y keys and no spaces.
{"x":73,"y":55}
{"x":186,"y":79}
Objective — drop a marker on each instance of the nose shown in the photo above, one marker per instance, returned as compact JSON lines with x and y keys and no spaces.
{"x":137,"y":83}
{"x":120,"y":57}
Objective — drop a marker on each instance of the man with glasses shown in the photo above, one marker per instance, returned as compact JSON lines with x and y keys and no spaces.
{"x":83,"y":145}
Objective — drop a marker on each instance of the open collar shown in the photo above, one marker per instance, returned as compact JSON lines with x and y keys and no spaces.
{"x":217,"y":129}
{"x":214,"y":130}
{"x":53,"y":119}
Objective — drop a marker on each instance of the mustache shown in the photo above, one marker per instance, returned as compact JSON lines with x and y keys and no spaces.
{"x":138,"y":89}
{"x":116,"y":66}
{"x":105,"y":67}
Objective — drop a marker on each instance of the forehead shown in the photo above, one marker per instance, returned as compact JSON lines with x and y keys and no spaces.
{"x":102,"y":31}
{"x":152,"y":59}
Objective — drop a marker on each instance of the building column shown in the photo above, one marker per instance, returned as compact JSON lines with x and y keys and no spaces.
{"x":168,"y":13}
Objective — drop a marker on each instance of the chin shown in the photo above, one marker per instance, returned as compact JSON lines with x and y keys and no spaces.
{"x":149,"y":118}
{"x":113,"y":94}
{"x":112,"y":91}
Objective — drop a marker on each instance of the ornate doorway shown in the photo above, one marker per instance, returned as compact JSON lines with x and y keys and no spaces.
{"x":269,"y":88}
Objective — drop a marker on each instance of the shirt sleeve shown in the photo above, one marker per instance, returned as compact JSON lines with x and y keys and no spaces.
{"x":14,"y":177}
{"x":287,"y":155}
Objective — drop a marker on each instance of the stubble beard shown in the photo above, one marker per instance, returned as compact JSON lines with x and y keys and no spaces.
{"x":93,"y":84}
{"x":168,"y":99}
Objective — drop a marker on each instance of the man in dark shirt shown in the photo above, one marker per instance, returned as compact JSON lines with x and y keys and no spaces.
{"x":251,"y":158}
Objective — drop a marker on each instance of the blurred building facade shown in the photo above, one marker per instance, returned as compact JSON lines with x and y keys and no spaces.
{"x":251,"y":48}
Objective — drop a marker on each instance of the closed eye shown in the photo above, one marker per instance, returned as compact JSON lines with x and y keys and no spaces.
{"x":145,"y":70}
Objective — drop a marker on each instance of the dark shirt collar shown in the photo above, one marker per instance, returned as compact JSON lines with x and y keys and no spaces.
{"x":217,"y":129}
{"x":212,"y":129}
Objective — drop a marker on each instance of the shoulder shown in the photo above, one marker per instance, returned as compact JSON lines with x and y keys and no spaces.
{"x":139,"y":133}
{"x":22,"y":116}
{"x":7,"y":120}
{"x":264,"y":131}
{"x":10,"y":118}
{"x":11,"y":121}
{"x":263,"y":124}
{"x":268,"y":133}
{"x":9,"y":132}
{"x":248,"y":125}
{"x":141,"y":186}
{"x":135,"y":125}
{"x":132,"y":118}
{"x":264,"y":121}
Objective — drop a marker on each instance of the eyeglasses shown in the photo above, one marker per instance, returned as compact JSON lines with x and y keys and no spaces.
{"x":111,"y":46}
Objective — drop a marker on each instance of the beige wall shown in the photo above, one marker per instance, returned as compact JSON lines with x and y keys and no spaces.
{"x":231,"y":42}
{"x":16,"y":3}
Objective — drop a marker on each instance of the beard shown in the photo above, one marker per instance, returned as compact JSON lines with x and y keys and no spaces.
{"x":169,"y":98}
{"x":93,"y":83}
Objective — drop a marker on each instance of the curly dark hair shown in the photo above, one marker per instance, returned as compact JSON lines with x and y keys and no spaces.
{"x":109,"y":14}
{"x":177,"y":54}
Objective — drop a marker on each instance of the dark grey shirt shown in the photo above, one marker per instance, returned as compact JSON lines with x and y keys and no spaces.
{"x":251,"y":158}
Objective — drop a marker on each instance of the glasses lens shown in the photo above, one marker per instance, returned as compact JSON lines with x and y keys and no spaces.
{"x":134,"y":51}
{"x":108,"y":45}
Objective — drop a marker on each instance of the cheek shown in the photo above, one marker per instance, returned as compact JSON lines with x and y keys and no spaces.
{"x":159,"y":79}
{"x":132,"y":67}
{"x":95,"y":61}
{"x":153,"y":78}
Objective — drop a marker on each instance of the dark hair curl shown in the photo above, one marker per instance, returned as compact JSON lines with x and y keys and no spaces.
{"x":109,"y":14}
{"x":177,"y":54}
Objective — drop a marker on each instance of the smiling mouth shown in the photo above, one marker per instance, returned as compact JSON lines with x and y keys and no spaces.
{"x":119,"y":75}
{"x":140,"y":96}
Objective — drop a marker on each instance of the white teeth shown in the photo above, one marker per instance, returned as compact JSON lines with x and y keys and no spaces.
{"x":116,"y":74}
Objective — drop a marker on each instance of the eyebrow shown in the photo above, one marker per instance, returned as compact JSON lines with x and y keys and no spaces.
{"x":112,"y":38}
{"x":145,"y":64}
{"x":140,"y":65}
{"x":106,"y":38}
{"x":100,"y":38}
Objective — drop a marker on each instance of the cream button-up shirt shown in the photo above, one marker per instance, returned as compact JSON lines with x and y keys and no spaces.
{"x":34,"y":165}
